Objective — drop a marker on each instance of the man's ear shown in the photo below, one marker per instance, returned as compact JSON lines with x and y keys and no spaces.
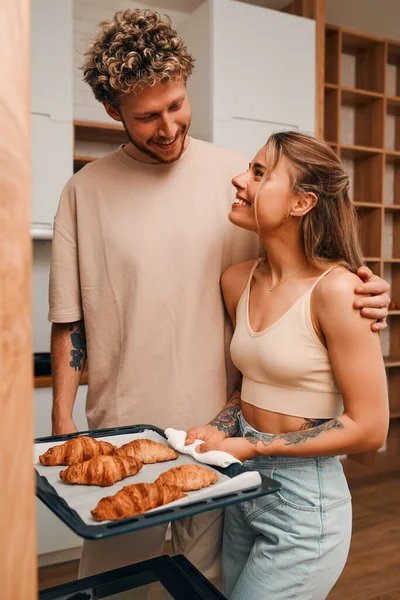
{"x":112,"y":111}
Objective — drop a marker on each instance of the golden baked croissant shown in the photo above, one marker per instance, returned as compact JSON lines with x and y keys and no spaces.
{"x":148,"y":451}
{"x":188,"y":477}
{"x":135,"y":499}
{"x":75,"y":450}
{"x":101,"y":470}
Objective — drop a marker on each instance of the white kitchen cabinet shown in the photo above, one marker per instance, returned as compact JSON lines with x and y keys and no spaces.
{"x":51,"y":109}
{"x":52,"y":534}
{"x":245,"y":135}
{"x":254,"y":73}
{"x":52,"y":164}
{"x":51,"y":58}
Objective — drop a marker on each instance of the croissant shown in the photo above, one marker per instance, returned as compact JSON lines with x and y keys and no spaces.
{"x":148,"y":451}
{"x":134,"y":500}
{"x":188,"y":477}
{"x":74,"y":451}
{"x":101,"y":470}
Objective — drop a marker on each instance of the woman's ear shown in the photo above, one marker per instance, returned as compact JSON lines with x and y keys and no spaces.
{"x":304,"y":204}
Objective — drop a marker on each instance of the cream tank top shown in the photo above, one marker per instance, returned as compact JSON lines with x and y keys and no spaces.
{"x":285,"y":367}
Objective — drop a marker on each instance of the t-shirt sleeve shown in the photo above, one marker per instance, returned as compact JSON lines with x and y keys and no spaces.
{"x":65,"y":303}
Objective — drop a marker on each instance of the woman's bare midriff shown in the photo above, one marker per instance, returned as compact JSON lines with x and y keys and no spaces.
{"x":272,"y":422}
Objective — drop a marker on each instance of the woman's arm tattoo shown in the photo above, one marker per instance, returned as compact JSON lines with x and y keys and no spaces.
{"x":309,"y":423}
{"x":296,"y":437}
{"x":78,"y":341}
{"x":227,"y":420}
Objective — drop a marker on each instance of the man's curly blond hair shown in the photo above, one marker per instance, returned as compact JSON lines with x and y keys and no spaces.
{"x":134,"y":49}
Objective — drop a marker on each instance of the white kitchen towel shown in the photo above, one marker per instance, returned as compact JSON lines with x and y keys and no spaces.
{"x":176,"y":439}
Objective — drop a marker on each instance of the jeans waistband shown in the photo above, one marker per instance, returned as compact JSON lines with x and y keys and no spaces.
{"x":279,"y":461}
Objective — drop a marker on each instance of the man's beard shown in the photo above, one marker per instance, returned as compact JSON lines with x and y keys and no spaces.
{"x":145,"y":150}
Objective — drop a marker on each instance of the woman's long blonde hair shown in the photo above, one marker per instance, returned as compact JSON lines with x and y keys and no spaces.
{"x":330,"y":230}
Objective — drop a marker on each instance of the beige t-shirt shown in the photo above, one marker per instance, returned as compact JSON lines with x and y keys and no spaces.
{"x":138,"y":252}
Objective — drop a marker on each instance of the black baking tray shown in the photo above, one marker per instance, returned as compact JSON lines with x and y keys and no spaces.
{"x":47,"y":494}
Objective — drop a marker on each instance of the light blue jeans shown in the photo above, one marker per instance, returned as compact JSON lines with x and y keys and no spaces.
{"x":291,"y":545}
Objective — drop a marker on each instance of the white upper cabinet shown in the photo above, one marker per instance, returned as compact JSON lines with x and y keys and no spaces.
{"x":52,"y":165}
{"x":51,"y":109}
{"x":244,"y":135}
{"x":51,"y":58}
{"x":254,"y":72}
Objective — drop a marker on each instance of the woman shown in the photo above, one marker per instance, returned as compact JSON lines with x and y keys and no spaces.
{"x":314,"y":384}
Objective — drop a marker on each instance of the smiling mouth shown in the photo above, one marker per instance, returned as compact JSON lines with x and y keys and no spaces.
{"x":167,"y":144}
{"x":240,"y":202}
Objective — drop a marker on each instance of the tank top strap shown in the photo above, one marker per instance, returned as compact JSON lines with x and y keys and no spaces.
{"x":319,"y":279}
{"x":253,"y":268}
{"x":241,"y":308}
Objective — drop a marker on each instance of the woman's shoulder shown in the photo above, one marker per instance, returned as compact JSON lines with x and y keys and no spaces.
{"x":337,"y":288}
{"x":235,"y":277}
{"x":238,"y":272}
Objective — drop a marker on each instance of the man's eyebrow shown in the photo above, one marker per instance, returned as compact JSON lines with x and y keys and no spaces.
{"x":152,"y":112}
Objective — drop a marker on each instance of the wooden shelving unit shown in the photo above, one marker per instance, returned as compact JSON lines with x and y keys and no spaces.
{"x":96,"y":134}
{"x":362,"y":125}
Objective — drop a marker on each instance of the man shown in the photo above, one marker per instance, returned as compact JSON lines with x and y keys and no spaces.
{"x":141,"y":238}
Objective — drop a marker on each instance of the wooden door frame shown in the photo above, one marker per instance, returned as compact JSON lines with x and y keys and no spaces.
{"x":18,"y":573}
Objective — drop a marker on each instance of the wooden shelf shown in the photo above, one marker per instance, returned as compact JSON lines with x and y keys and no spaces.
{"x":331,"y":86}
{"x":47,"y":380}
{"x":391,"y":207}
{"x":367,"y":167}
{"x":354,"y":40}
{"x":355,"y":97}
{"x":393,"y":105}
{"x":81,"y":161}
{"x":353,"y":151}
{"x":370,"y":231}
{"x":369,"y":53}
{"x":391,"y":361}
{"x":332,"y":52}
{"x":99,"y":132}
{"x":392,"y":156}
{"x":367,"y":204}
{"x":394,"y":52}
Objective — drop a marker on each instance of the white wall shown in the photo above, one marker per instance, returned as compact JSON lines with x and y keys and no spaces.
{"x":378,"y":17}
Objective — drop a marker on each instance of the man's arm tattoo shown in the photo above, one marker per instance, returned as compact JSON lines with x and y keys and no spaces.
{"x":227,"y":420}
{"x":296,"y":437}
{"x":78,"y":341}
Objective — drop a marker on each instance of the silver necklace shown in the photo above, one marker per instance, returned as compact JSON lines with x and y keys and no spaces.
{"x":286,"y":278}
